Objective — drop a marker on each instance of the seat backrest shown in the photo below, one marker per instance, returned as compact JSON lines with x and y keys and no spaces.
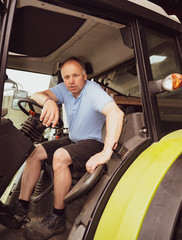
{"x":131,"y":134}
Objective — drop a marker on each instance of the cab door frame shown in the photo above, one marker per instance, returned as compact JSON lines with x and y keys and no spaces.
{"x":7,"y":14}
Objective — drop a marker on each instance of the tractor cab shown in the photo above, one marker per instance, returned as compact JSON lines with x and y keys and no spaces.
{"x":133,"y":50}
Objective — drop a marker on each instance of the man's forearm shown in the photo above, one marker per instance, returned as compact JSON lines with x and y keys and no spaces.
{"x":40,"y":97}
{"x":50,"y":112}
{"x":114,"y":123}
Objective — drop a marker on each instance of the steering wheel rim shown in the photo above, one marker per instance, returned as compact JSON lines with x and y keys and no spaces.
{"x":30,"y":102}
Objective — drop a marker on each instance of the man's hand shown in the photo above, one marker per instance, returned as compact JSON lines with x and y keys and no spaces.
{"x":50,"y":113}
{"x":97,"y":159}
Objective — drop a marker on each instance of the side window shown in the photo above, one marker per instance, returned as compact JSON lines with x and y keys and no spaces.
{"x":164,"y":55}
{"x":164,"y":60}
{"x":122,"y":84}
{"x":123,"y":79}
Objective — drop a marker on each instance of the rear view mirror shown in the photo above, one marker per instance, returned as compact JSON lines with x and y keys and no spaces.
{"x":169,"y":83}
{"x":18,"y":94}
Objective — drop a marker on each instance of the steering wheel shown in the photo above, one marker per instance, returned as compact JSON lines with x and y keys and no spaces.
{"x":32,"y":103}
{"x":33,"y":128}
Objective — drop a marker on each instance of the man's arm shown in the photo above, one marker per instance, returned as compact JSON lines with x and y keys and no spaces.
{"x":114,"y":122}
{"x":50,"y":112}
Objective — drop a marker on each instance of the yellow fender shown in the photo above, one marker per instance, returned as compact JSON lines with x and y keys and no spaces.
{"x":129,"y":202}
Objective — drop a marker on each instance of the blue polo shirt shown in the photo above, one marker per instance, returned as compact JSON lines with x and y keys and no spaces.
{"x":84,"y":113}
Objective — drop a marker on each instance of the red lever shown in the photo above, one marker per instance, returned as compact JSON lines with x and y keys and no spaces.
{"x":32,"y":113}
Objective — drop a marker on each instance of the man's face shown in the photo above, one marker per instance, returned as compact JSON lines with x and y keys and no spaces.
{"x":74,"y":77}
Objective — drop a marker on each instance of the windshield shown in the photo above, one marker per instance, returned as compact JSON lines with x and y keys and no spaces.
{"x":26,"y":81}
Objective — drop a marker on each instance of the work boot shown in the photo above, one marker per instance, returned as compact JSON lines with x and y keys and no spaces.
{"x":51,"y":225}
{"x":6,"y":218}
{"x":20,"y":213}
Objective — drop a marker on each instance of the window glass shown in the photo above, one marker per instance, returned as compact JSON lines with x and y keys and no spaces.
{"x":123,"y":85}
{"x":164,"y":60}
{"x":123,"y":79}
{"x":170,"y":104}
{"x":164,"y":56}
{"x":26,"y":81}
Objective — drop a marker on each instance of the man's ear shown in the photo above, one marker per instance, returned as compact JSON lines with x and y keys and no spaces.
{"x":85,"y":76}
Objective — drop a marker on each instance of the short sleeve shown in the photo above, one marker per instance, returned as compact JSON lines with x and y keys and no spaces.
{"x":60,"y":91}
{"x":99,"y":97}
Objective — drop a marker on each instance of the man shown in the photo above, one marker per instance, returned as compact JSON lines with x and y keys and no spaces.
{"x":87,"y":107}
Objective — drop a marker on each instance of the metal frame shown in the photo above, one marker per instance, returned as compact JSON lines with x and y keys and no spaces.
{"x":4,"y":43}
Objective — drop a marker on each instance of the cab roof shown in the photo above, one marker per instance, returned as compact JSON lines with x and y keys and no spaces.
{"x":45,"y":33}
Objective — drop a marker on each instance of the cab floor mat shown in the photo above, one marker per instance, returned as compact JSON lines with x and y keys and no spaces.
{"x":17,"y":234}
